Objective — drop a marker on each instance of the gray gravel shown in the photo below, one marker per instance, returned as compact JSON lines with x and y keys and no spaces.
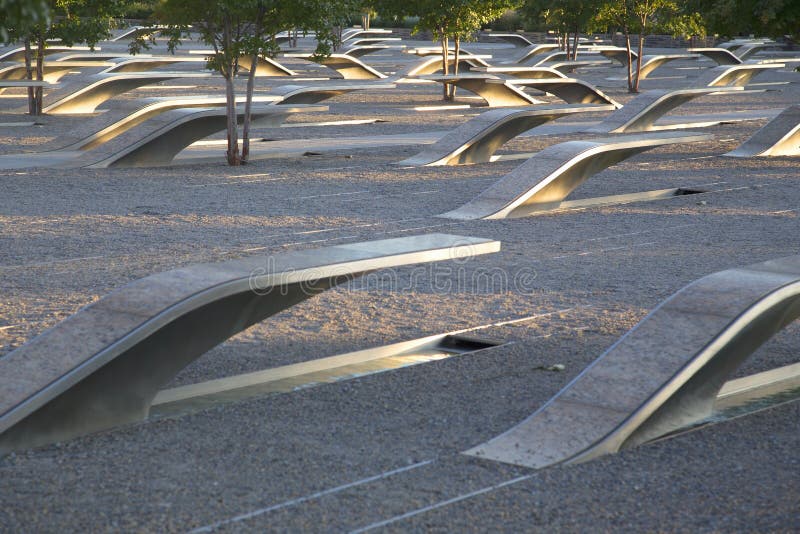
{"x":68,"y":236}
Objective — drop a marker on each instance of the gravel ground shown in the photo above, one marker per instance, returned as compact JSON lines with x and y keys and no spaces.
{"x":68,"y":236}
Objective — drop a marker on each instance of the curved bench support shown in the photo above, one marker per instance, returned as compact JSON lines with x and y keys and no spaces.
{"x":495,"y":92}
{"x":180,"y":128}
{"x":542,"y":182}
{"x":312,"y":94}
{"x":103,"y":366}
{"x":570,"y":90}
{"x":651,"y":63}
{"x":652,"y":381}
{"x":641,"y":113}
{"x":349,"y":67}
{"x":779,"y":137}
{"x":721,"y":56}
{"x":738,"y":75}
{"x":478,"y":139}
{"x":86,"y":98}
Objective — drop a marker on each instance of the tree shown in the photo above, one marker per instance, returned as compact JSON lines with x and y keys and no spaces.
{"x":565,"y":17}
{"x":237,"y":29}
{"x":454,"y":19}
{"x":771,"y":18}
{"x":16,"y":15}
{"x":70,"y":21}
{"x":643,"y":17}
{"x":275,"y":16}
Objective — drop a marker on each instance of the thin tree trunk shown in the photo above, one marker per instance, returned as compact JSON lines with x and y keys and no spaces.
{"x":248,"y":105}
{"x":456,"y":57}
{"x":230,"y":104}
{"x":251,"y":82}
{"x":38,"y":91}
{"x":638,"y":64}
{"x":567,"y":47}
{"x":228,"y":69}
{"x":445,"y":65}
{"x":29,"y":75}
{"x":575,"y":46}
{"x":630,"y":61}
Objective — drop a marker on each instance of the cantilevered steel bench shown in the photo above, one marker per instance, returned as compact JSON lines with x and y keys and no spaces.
{"x":145,"y":64}
{"x":721,"y":56}
{"x":664,"y":374}
{"x":618,"y":54}
{"x":363,"y":50}
{"x":361,"y":34}
{"x":522,"y":72}
{"x":529,"y":52}
{"x":779,"y":137}
{"x":83,"y":97}
{"x":734,"y":74}
{"x":501,"y":93}
{"x":18,"y":54}
{"x":545,"y":180}
{"x":641,"y":113}
{"x":571,"y":66}
{"x":103,"y":366}
{"x":519,"y":41}
{"x":159,"y":139}
{"x":478,"y":139}
{"x":570,"y":90}
{"x":652,"y":62}
{"x":349,"y":67}
{"x":311,"y":94}
{"x":265,"y":67}
{"x":726,"y":56}
{"x":433,"y":64}
{"x":52,"y":71}
{"x":125,"y":115}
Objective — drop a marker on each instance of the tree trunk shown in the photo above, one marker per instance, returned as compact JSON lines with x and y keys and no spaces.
{"x":228,"y":71}
{"x":445,"y":65}
{"x":638,"y":64}
{"x":630,"y":61}
{"x":38,"y":91}
{"x":365,"y":20}
{"x":575,"y":46}
{"x":456,"y":57}
{"x":567,"y":45}
{"x":248,"y":105}
{"x":230,"y":106}
{"x":29,"y":75}
{"x":251,"y":82}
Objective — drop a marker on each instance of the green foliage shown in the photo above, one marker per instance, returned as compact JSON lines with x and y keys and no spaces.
{"x":771,"y":18}
{"x":508,"y":22}
{"x":16,"y":16}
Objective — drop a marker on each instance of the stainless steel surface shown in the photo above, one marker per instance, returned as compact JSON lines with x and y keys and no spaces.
{"x":478,"y":139}
{"x":84,"y":98}
{"x":652,"y":381}
{"x":115,"y":354}
{"x":779,"y":137}
{"x":181,"y":127}
{"x":641,"y":113}
{"x":545,"y":180}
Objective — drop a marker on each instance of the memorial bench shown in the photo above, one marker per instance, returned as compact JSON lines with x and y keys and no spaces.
{"x":779,"y":137}
{"x":159,"y":139}
{"x":479,"y":138}
{"x":665,"y":374}
{"x":545,"y":180}
{"x":103,"y":366}
{"x":83,"y":97}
